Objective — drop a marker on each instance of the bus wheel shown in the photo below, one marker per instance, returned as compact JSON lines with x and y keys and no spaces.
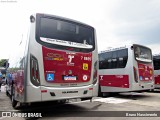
{"x":114,"y":94}
{"x":151,"y":90}
{"x":21,"y":106}
{"x":14,"y":102}
{"x":106,"y":94}
{"x":100,"y":94}
{"x":62,"y":101}
{"x":7,"y":93}
{"x":88,"y":98}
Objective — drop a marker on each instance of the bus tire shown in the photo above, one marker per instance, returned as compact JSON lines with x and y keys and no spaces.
{"x":7,"y":93}
{"x":114,"y":94}
{"x":22,"y":106}
{"x":88,"y":98}
{"x":14,"y":102}
{"x":151,"y":90}
{"x":106,"y":94}
{"x":100,"y":94}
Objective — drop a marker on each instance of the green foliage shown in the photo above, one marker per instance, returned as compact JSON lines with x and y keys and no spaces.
{"x":2,"y":61}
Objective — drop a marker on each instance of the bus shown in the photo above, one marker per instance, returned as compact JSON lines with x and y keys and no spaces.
{"x":57,"y":61}
{"x":2,"y":76}
{"x":156,"y":63}
{"x":125,"y":69}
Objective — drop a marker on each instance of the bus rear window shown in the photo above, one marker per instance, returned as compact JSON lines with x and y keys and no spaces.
{"x":156,"y":62}
{"x":63,"y":34}
{"x":143,"y":54}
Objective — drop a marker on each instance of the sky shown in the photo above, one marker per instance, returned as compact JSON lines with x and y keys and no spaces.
{"x":117,"y":22}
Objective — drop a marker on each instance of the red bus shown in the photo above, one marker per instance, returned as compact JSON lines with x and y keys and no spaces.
{"x":126,"y":69}
{"x":57,"y":61}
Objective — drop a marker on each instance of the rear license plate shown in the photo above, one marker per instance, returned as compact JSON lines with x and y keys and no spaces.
{"x":69,"y":78}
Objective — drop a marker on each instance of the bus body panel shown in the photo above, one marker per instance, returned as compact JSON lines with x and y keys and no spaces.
{"x":145,"y":72}
{"x":67,"y":93}
{"x":126,"y":85}
{"x":66,"y":67}
{"x":135,"y":87}
{"x":111,"y":80}
{"x":33,"y":94}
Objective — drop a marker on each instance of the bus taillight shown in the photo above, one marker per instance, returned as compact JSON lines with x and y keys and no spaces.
{"x":135,"y":74}
{"x":34,"y":71}
{"x":95,"y":73}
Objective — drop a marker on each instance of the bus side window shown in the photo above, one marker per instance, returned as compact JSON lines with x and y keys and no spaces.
{"x":108,"y":60}
{"x":114,"y":59}
{"x":105,"y":61}
{"x":102,"y":62}
{"x":122,"y":58}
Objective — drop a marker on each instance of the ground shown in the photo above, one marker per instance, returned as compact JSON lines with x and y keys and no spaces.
{"x":113,"y":107}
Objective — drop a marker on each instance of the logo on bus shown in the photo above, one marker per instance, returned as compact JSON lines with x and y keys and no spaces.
{"x":70,"y":63}
{"x":52,"y":56}
{"x":101,"y":77}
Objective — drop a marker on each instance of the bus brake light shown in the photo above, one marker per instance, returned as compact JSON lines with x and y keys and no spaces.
{"x":135,"y":74}
{"x":35,"y":78}
{"x":95,"y":73}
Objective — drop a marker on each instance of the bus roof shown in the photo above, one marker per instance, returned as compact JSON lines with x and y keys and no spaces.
{"x":156,"y":54}
{"x":121,"y":47}
{"x":113,"y":49}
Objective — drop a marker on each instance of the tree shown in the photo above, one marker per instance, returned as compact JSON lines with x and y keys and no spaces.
{"x":2,"y":61}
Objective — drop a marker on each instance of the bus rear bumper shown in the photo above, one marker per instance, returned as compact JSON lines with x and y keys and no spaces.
{"x":44,"y":93}
{"x":66,"y":93}
{"x":157,"y":86}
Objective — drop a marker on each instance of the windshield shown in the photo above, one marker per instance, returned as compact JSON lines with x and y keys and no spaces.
{"x":143,"y":54}
{"x":64,"y":34}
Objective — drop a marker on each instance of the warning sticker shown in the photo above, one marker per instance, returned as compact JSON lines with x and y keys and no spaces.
{"x":85,"y":66}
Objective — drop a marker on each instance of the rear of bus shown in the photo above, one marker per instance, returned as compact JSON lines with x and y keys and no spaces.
{"x":142,"y":68}
{"x":62,"y":60}
{"x":156,"y":62}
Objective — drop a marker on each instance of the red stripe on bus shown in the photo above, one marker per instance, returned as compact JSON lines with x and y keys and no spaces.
{"x":157,"y":79}
{"x":90,"y":88}
{"x":114,"y":80}
{"x":43,"y":91}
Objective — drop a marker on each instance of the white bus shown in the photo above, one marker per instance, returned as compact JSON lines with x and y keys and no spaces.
{"x":57,"y":61}
{"x":156,"y":62}
{"x":125,"y":69}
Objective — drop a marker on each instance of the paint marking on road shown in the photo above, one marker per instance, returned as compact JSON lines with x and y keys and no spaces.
{"x":112,"y":100}
{"x":78,"y":102}
{"x":2,"y":118}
